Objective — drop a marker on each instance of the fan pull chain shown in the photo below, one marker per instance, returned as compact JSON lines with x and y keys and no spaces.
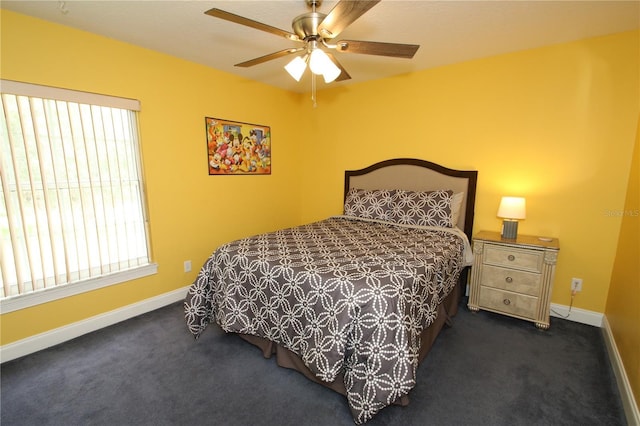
{"x":313,"y":90}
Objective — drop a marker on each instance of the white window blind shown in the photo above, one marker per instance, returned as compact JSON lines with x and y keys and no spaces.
{"x":71,"y":202}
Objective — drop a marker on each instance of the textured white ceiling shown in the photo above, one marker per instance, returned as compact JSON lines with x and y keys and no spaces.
{"x":447,"y":31}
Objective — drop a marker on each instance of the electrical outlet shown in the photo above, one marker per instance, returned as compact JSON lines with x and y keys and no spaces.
{"x":576,"y":284}
{"x":187,"y":266}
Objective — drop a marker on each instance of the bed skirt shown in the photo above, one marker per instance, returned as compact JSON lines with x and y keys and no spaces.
{"x":287,"y":359}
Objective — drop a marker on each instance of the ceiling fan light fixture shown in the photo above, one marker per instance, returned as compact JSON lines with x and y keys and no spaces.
{"x":296,"y":67}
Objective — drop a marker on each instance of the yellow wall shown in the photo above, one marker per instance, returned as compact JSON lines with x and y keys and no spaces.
{"x":190,"y":212}
{"x":623,"y":304}
{"x":555,"y":125}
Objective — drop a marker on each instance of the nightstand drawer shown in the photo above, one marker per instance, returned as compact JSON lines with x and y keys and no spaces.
{"x":528,"y":260}
{"x":508,"y":302}
{"x":511,"y":279}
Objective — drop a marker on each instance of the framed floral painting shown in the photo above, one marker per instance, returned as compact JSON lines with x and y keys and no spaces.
{"x":235,"y":148}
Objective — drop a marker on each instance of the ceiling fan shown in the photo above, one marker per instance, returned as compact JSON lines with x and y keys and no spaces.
{"x":317,"y":31}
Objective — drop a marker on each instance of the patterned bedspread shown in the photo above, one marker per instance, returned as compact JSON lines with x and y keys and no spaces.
{"x":346,"y":295}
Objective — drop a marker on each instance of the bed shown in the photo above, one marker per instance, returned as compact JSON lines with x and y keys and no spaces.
{"x":355,"y":301}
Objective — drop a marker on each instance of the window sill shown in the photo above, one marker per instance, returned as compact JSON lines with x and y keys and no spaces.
{"x":50,"y":294}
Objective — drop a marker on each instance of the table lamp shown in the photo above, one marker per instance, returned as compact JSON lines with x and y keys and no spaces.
{"x":511,"y":209}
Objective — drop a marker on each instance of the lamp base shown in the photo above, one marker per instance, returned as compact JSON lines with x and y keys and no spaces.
{"x":510,"y":229}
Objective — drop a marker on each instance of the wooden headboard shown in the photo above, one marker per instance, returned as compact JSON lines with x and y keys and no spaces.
{"x":418,"y":175}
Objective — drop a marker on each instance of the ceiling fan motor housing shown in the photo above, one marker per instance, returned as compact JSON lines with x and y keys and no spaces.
{"x":306,"y":25}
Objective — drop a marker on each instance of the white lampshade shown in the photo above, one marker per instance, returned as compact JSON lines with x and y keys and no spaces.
{"x":512,"y":208}
{"x":319,"y":63}
{"x":331,"y":74}
{"x":296,"y":67}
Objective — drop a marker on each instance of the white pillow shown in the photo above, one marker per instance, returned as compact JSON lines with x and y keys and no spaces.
{"x":456,"y":203}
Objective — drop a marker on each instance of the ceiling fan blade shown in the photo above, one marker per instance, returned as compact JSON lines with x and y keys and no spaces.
{"x":344,"y":75}
{"x":228,"y":16}
{"x":395,"y":50}
{"x":342,"y":15}
{"x":269,"y":57}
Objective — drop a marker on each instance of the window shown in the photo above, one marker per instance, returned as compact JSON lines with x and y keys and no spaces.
{"x":71,"y":201}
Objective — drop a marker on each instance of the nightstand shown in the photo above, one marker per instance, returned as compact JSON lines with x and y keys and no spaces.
{"x":513,"y":277}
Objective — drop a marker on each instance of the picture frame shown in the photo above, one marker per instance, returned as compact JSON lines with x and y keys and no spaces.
{"x":237,"y":148}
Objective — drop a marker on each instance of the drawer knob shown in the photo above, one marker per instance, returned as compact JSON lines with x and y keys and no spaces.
{"x":509,"y":279}
{"x":511,"y":257}
{"x":506,"y":301}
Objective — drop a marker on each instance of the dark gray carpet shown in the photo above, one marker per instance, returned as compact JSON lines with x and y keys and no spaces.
{"x":485,"y":370}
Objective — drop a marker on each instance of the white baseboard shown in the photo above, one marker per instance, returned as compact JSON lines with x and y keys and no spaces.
{"x":624,"y":387}
{"x":62,"y":334}
{"x":582,"y":316}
